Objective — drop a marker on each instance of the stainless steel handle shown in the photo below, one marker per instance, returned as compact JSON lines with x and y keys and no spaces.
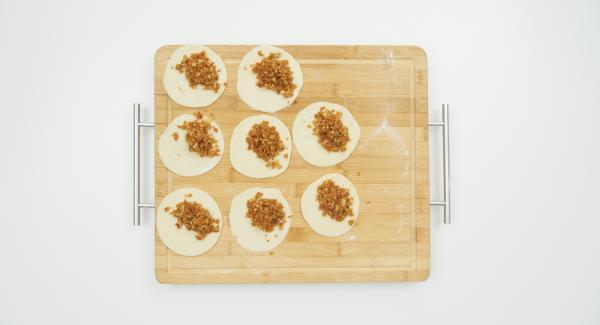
{"x":137,"y":125}
{"x":445,"y":124}
{"x":136,"y":165}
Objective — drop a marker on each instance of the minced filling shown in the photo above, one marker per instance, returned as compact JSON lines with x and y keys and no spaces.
{"x":266,"y":214}
{"x":199,"y":136}
{"x":265,"y":141}
{"x":274,"y":74}
{"x":196,"y":218}
{"x":334,"y":201}
{"x":199,"y":70}
{"x":333,"y":135}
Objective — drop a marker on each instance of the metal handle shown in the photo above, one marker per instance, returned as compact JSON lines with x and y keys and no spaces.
{"x":445,"y":124}
{"x":136,"y":164}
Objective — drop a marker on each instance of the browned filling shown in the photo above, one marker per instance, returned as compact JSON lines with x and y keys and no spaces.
{"x":196,"y":218}
{"x":200,"y":138}
{"x":334,"y":201}
{"x":199,"y":70}
{"x":265,"y":141}
{"x":274,"y":74}
{"x":274,"y":164}
{"x":266,"y":214}
{"x":332,"y":133}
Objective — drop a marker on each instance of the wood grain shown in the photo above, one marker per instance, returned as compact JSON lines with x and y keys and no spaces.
{"x":385,"y":87}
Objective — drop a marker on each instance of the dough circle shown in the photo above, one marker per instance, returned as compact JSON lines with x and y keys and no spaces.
{"x":178,"y":158}
{"x":245,"y":161}
{"x":325,"y":225}
{"x":181,"y":240}
{"x":178,"y":87}
{"x":262,"y":99}
{"x":252,"y":238}
{"x":307,"y":143}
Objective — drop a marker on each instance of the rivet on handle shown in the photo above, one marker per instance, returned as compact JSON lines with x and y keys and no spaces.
{"x":445,"y":124}
{"x":136,"y":164}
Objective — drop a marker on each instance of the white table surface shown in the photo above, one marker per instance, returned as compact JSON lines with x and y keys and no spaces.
{"x":523,"y":80}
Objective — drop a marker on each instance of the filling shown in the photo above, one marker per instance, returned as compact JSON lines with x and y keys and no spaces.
{"x":199,"y":70}
{"x":266,"y":214}
{"x":265,"y":141}
{"x":199,"y":136}
{"x":334,"y":201}
{"x":332,"y":133}
{"x":195,"y":218}
{"x":274,"y":74}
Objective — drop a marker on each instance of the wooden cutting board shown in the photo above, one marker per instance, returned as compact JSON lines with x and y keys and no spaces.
{"x":385,"y":88}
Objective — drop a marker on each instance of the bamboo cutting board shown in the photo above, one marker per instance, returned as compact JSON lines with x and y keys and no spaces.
{"x":385,"y":88}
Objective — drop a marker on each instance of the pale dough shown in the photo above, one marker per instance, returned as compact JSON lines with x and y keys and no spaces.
{"x":245,"y":160}
{"x":307,"y":143}
{"x":178,"y":87}
{"x":180,"y":240}
{"x":262,"y":99}
{"x":324,"y":224}
{"x":178,"y":158}
{"x":250,"y":237}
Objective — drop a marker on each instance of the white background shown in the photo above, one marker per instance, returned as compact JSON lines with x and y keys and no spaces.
{"x":523,"y":79}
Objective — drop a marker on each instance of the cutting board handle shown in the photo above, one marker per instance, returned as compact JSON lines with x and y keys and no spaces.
{"x":445,"y":124}
{"x":137,"y":125}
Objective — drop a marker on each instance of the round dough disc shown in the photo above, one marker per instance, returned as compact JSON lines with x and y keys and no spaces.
{"x":246,"y":161}
{"x":178,"y":87}
{"x":325,"y":225}
{"x":262,"y":99}
{"x":175,"y":153}
{"x":252,"y":238}
{"x":181,"y":240}
{"x":307,"y":143}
